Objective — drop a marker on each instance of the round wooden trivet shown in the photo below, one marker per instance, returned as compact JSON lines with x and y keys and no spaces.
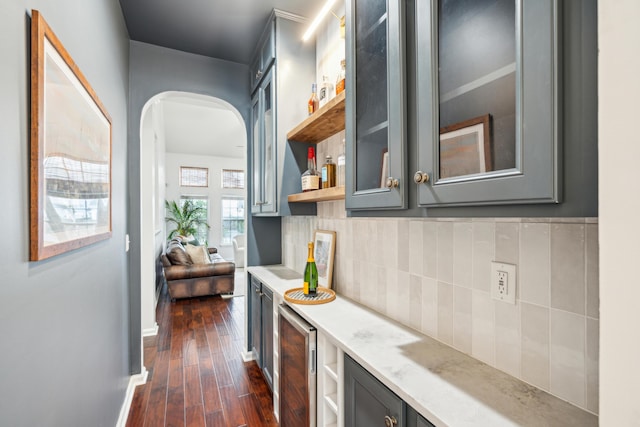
{"x":297,"y":296}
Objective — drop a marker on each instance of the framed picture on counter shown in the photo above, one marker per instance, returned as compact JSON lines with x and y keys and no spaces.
{"x":324,"y":248}
{"x":465,"y":148}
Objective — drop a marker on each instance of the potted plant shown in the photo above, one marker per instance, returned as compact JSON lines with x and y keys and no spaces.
{"x":187,"y":219}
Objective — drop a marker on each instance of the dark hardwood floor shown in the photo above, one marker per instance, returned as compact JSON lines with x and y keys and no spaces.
{"x":196,"y":373}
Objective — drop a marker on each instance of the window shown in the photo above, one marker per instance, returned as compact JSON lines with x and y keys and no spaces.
{"x":194,"y":177}
{"x":232,"y":178}
{"x":202,"y":235}
{"x":232,"y":218}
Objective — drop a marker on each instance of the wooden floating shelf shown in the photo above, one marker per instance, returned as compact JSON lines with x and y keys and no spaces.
{"x":322,"y":124}
{"x":323,"y":195}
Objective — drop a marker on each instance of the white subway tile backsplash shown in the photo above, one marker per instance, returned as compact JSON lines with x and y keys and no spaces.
{"x":462,"y":254}
{"x":415,"y":302}
{"x":445,"y":312}
{"x":483,"y":331}
{"x":430,"y":249}
{"x":567,"y":356}
{"x":508,"y":353}
{"x":592,"y":362}
{"x":433,"y":275}
{"x":568,"y":287}
{"x":444,"y":252}
{"x":429,"y":324}
{"x":415,"y":247}
{"x":535,"y":345}
{"x":462,"y":319}
{"x":483,"y":253}
{"x":507,"y":242}
{"x":534,"y":263}
{"x":593,"y":272}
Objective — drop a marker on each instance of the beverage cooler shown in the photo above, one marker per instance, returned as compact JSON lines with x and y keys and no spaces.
{"x":297,"y":370}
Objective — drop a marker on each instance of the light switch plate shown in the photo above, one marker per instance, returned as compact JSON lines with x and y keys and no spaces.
{"x":503,"y":282}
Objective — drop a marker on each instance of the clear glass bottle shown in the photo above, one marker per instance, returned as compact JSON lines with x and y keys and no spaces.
{"x":311,"y":177}
{"x":328,"y":173}
{"x":341,"y":167}
{"x":313,"y":100}
{"x":342,"y":74}
{"x":326,"y":91}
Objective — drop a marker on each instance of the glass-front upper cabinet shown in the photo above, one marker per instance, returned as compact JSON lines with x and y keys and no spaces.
{"x":487,"y":102}
{"x":264,"y":147}
{"x":375,"y":104}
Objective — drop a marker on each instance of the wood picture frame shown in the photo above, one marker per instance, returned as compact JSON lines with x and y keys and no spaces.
{"x":324,"y":249}
{"x":70,"y":153}
{"x":465,"y":148}
{"x":384,"y":168}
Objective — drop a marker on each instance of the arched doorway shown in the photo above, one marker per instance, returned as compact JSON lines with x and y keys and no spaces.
{"x":201,"y":127}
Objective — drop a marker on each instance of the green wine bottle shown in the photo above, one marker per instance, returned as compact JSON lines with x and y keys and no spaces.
{"x":310,"y":274}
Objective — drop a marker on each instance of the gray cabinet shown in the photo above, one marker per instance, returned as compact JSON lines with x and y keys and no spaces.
{"x":501,"y":113}
{"x":261,"y":327}
{"x":368,"y":402}
{"x":282,"y":72}
{"x":375,"y":104}
{"x":488,"y":131}
{"x":263,"y":144}
{"x":264,"y":55}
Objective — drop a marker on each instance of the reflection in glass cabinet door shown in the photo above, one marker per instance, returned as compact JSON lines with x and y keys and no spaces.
{"x":487,"y":102}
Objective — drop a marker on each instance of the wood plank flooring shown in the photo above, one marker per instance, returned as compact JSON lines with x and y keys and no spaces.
{"x":196,"y":373}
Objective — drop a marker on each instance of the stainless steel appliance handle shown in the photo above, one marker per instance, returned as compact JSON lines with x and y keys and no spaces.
{"x":292,"y":317}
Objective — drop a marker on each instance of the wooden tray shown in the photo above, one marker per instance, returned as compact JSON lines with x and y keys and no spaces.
{"x":297,"y":296}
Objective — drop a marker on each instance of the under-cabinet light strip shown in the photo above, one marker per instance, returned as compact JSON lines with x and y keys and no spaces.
{"x":318,"y":19}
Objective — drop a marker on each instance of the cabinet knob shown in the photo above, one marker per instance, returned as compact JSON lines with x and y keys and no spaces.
{"x":258,"y":74}
{"x":392,"y":182}
{"x":420,"y":177}
{"x":390,"y":421}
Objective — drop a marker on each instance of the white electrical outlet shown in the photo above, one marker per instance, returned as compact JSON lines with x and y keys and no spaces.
{"x":503,"y":282}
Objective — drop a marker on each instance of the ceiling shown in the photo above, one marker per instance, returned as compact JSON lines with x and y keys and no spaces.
{"x":224,"y":29}
{"x":201,"y":125}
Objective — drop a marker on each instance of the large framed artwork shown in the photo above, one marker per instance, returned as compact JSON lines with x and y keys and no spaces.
{"x":70,"y":201}
{"x":465,"y":148}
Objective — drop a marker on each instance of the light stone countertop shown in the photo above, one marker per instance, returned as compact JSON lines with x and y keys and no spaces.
{"x":446,"y":386}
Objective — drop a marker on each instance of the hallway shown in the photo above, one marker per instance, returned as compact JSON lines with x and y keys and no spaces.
{"x":196,"y":374}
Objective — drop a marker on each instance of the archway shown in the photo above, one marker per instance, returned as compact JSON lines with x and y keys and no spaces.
{"x":154,"y":139}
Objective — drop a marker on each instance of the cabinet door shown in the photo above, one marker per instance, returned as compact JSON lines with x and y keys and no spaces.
{"x":368,"y":402}
{"x":256,"y":318}
{"x":256,"y":153}
{"x":416,"y":420}
{"x":268,"y":114}
{"x":487,"y":113}
{"x":264,"y":151}
{"x":267,"y":335}
{"x":375,"y":105}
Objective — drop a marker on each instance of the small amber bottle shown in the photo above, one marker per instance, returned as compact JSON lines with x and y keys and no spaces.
{"x":328,"y":173}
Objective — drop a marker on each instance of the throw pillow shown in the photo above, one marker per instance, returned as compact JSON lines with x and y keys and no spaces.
{"x":177,"y":255}
{"x":198,"y":254}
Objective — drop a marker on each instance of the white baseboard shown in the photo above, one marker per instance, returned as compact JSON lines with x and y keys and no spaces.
{"x":247,"y":356}
{"x":150,"y":332}
{"x":134,"y":381}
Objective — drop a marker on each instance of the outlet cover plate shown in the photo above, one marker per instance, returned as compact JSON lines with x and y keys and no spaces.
{"x":503,"y":282}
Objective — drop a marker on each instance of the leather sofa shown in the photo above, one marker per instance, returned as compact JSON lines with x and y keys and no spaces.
{"x":186,"y":279}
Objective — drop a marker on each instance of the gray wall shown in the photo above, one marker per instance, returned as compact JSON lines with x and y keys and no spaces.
{"x":154,"y":70}
{"x":63,"y":321}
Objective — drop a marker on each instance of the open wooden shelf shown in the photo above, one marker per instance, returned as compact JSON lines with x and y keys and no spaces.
{"x":322,"y":124}
{"x":322,"y":195}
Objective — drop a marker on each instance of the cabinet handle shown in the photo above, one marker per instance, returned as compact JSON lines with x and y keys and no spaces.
{"x":390,"y":421}
{"x":258,"y":74}
{"x":392,"y":182}
{"x":420,"y":177}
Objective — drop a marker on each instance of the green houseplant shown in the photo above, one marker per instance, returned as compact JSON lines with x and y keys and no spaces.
{"x":187,"y":219}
